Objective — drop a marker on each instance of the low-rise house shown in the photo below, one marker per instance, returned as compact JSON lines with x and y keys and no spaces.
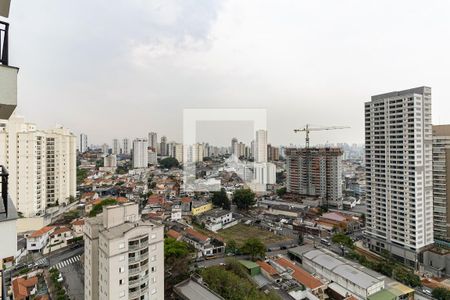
{"x":39,"y":239}
{"x":24,"y":289}
{"x":217,"y":219}
{"x":203,"y":244}
{"x":155,"y":201}
{"x":269,"y":272}
{"x":171,"y":233}
{"x":77,"y":227}
{"x":59,"y":238}
{"x":186,"y":204}
{"x":338,"y":221}
{"x":175,"y":213}
{"x":199,"y":207}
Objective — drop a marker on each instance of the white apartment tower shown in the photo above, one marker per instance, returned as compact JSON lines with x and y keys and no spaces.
{"x":140,"y":153}
{"x":441,"y":182}
{"x":115,"y":147}
{"x":124,"y":256}
{"x":126,"y":146}
{"x":42,"y":165}
{"x":83,"y":143}
{"x":399,"y":181}
{"x":261,"y":146}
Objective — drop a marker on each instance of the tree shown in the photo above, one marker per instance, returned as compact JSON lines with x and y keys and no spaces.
{"x":220,"y":199}
{"x":441,"y":293}
{"x":177,"y":258}
{"x":169,"y":163}
{"x":254,"y":247}
{"x":82,"y":174}
{"x":281,"y":192}
{"x":231,"y":247}
{"x":244,"y":198}
{"x":406,"y":277}
{"x":343,"y":239}
{"x":98,"y":208}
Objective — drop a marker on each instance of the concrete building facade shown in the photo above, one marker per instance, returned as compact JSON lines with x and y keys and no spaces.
{"x":124,"y":256}
{"x":399,"y":183}
{"x":140,"y":153}
{"x":441,"y":182}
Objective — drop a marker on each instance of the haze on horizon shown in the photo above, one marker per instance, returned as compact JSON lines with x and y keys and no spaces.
{"x":124,"y":68}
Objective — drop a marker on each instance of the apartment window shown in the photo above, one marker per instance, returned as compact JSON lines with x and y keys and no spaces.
{"x":153,"y":269}
{"x":121,"y":245}
{"x":121,"y":269}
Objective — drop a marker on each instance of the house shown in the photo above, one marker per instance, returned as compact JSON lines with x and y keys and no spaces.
{"x":24,"y":288}
{"x":77,"y":227}
{"x":217,"y":219}
{"x":38,"y":239}
{"x":199,"y":207}
{"x":59,"y":238}
{"x":174,"y":234}
{"x":269,"y":272}
{"x":338,"y":221}
{"x":156,"y":201}
{"x":176,"y":213}
{"x":203,"y":244}
{"x":186,"y":204}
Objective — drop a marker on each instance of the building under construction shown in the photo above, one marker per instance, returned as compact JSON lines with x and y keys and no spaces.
{"x":315,"y":173}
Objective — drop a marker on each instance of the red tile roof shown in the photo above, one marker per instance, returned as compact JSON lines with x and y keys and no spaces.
{"x":78,"y":222}
{"x":60,"y":230}
{"x":300,"y":275}
{"x":155,"y":199}
{"x":197,"y":235}
{"x":173,"y":234}
{"x":21,"y":286}
{"x":41,"y":231}
{"x":266,"y":267}
{"x":186,"y":200}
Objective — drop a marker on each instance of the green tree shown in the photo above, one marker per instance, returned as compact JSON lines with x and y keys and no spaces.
{"x":82,"y":174}
{"x":441,"y":293}
{"x":254,"y":247}
{"x":98,"y":208}
{"x":342,"y":239}
{"x":169,"y":163}
{"x":281,"y":192}
{"x":177,"y":258}
{"x":220,"y":199}
{"x":244,"y":198}
{"x":231,"y":247}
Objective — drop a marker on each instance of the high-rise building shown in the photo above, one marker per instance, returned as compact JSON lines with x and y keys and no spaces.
{"x":8,"y":103}
{"x":441,"y":182}
{"x":261,"y":146}
{"x":399,"y":179}
{"x":153,"y":141}
{"x":124,"y":255}
{"x":152,"y":157}
{"x":41,"y":163}
{"x":273,"y":153}
{"x":126,"y":146}
{"x":163,"y":146}
{"x":83,"y":143}
{"x":115,"y":147}
{"x":105,"y":149}
{"x":315,"y":173}
{"x":140,"y":153}
{"x":178,"y":152}
{"x":234,"y":147}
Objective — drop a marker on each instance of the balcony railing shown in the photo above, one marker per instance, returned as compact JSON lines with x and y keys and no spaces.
{"x":4,"y":184}
{"x":4,"y":28}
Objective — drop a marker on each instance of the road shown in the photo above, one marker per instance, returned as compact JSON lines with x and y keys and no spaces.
{"x":59,"y":256}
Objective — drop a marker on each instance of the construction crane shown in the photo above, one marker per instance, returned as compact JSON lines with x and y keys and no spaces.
{"x":307,"y":129}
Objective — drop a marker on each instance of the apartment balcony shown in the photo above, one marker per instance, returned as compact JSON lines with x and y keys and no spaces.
{"x":8,"y":216}
{"x":138,"y":258}
{"x":8,"y":76}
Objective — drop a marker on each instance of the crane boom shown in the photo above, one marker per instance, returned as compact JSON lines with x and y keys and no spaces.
{"x":307,"y":129}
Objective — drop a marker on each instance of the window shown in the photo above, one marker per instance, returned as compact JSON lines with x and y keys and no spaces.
{"x":121,"y":269}
{"x":121,"y":245}
{"x":153,"y":269}
{"x":120,"y":281}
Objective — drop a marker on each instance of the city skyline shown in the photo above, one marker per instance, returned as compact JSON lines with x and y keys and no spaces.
{"x":264,"y":58}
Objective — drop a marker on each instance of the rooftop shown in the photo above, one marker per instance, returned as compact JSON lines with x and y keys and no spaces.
{"x":41,"y":231}
{"x":216,"y":213}
{"x":192,"y":290}
{"x":299,"y":274}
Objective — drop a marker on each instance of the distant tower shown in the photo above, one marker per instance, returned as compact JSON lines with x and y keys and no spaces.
{"x":140,"y":153}
{"x":126,"y":146}
{"x":234,"y":148}
{"x":261,"y":146}
{"x":153,"y":141}
{"x":116,"y":147}
{"x":83,"y":143}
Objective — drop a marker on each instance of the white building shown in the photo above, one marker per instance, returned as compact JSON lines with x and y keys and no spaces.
{"x":124,"y":256}
{"x":83,"y":143}
{"x":41,"y":164}
{"x":110,"y":161}
{"x":176,"y":213}
{"x":115,"y":147}
{"x":261,"y":146}
{"x":178,"y":152}
{"x":37,"y":240}
{"x":441,"y":179}
{"x":140,"y":153}
{"x":217,"y":219}
{"x":126,"y":146}
{"x":105,"y":149}
{"x":399,"y":181}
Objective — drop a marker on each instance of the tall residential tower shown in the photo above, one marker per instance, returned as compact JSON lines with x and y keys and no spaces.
{"x":399,"y":181}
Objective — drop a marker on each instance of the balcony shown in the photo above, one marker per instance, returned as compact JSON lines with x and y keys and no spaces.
{"x":8,"y":216}
{"x":8,"y":76}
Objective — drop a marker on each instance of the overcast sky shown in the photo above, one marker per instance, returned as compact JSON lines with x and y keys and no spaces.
{"x":122,"y":68}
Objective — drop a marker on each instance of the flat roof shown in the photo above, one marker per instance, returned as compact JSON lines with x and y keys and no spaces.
{"x":382,"y":295}
{"x":249,"y":264}
{"x":192,"y":290}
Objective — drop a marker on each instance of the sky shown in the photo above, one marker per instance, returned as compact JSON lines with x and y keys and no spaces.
{"x":123,"y":68}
